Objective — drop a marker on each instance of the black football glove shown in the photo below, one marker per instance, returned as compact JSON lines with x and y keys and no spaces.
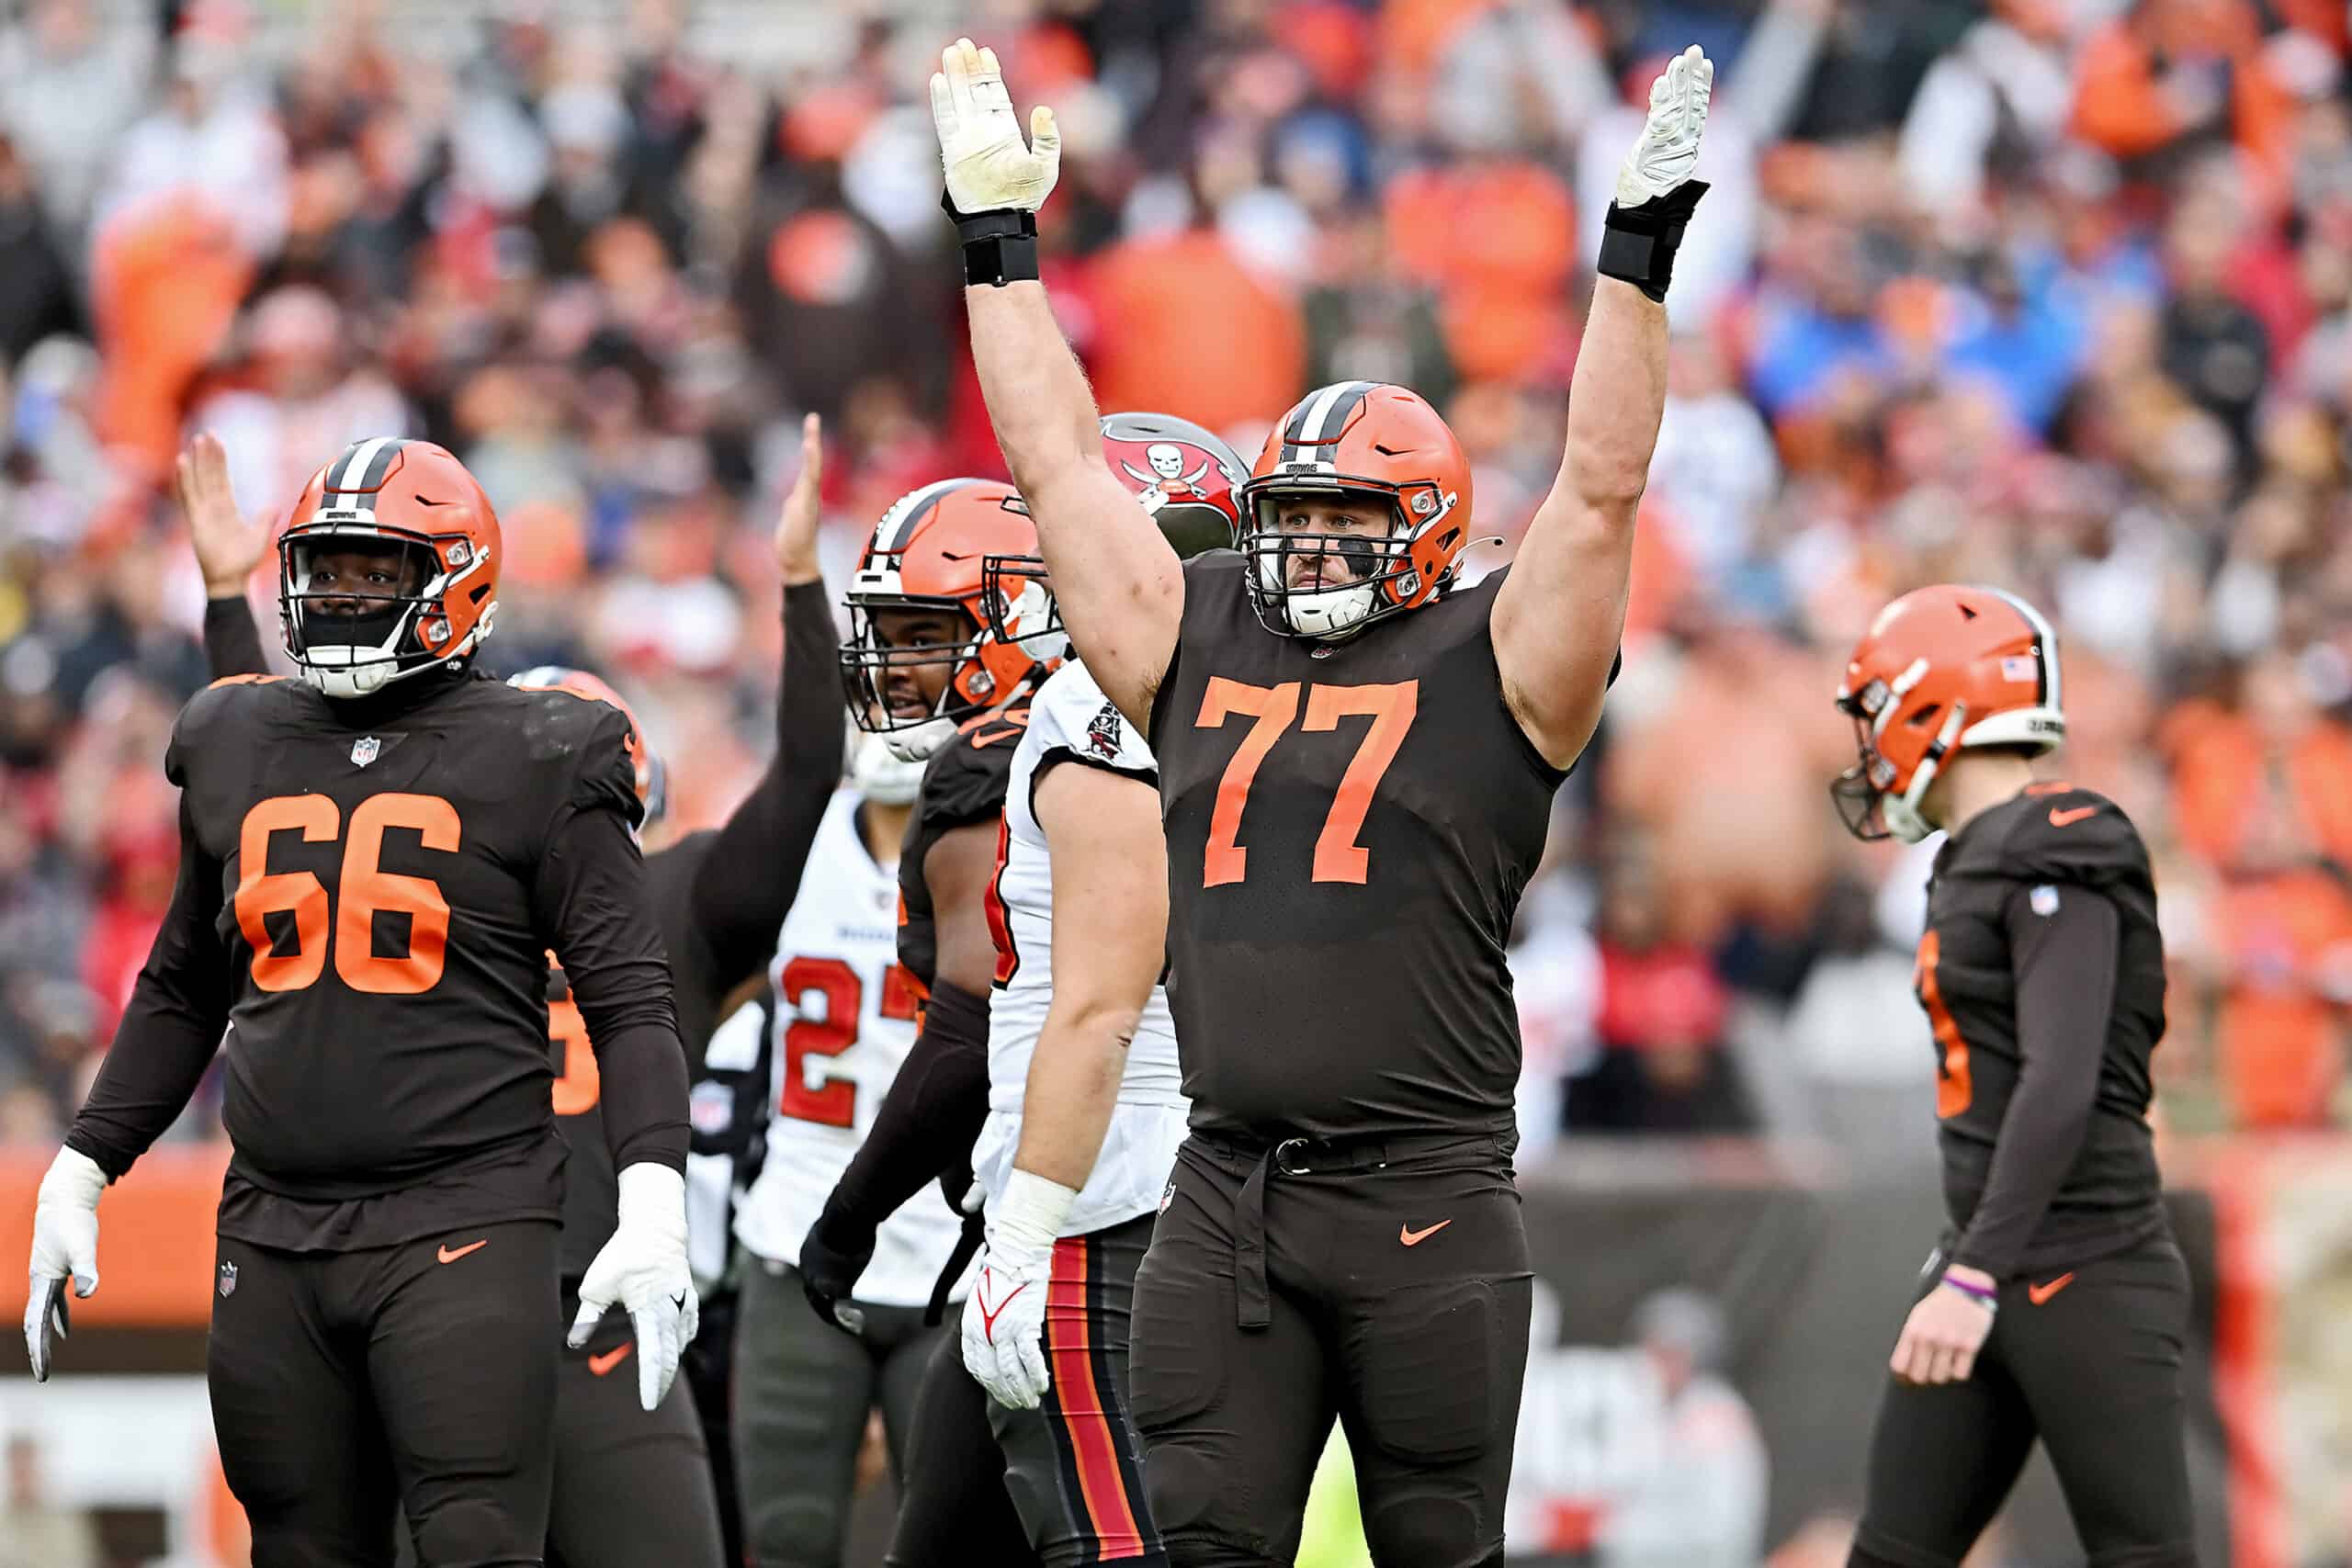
{"x":834,"y":1253}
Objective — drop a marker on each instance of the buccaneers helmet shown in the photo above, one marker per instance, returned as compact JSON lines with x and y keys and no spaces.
{"x":1360,"y":441}
{"x":652,"y":779}
{"x":1941,"y":669}
{"x":928,"y":553}
{"x":1186,"y":479}
{"x":413,"y":505}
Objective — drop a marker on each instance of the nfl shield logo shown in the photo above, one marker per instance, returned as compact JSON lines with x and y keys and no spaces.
{"x":364,"y":751}
{"x":227,"y":1280}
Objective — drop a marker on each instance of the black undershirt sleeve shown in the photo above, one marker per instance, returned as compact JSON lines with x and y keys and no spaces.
{"x":931,"y":1116}
{"x":172,"y":1026}
{"x":2065,"y":963}
{"x":592,"y":903}
{"x":231,"y":640}
{"x":747,"y":882}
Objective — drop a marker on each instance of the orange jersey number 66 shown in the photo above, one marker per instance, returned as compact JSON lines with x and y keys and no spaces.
{"x":363,"y":890}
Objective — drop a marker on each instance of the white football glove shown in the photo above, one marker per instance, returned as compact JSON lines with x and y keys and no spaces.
{"x":644,"y":1268}
{"x":65,"y":1241}
{"x":1667,"y":149}
{"x":989,"y":165}
{"x":1004,"y":1317}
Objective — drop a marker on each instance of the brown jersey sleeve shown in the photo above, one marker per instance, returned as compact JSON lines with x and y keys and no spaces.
{"x":2063,"y":943}
{"x":594,"y":910}
{"x":179,"y":1005}
{"x":745,"y":883}
{"x":231,"y":640}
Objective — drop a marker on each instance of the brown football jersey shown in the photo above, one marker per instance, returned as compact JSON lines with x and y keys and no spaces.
{"x":1349,"y":827}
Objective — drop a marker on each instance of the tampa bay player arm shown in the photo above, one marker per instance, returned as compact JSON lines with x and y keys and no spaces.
{"x":2063,"y":943}
{"x":170,"y":1030}
{"x":1117,"y":579}
{"x":932,"y":1115}
{"x":1110,"y":938}
{"x":1559,"y":614}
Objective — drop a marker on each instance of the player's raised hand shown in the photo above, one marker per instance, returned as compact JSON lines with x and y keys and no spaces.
{"x":991,"y":166}
{"x":228,"y":545}
{"x":796,"y":530}
{"x":1667,"y":149}
{"x":65,"y":1243}
{"x":643,"y":1267}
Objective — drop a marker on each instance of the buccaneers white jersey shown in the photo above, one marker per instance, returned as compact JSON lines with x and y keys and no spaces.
{"x":845,"y":1019}
{"x":1071,"y":724}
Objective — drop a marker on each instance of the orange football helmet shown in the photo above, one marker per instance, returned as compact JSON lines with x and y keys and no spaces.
{"x":1941,"y":670}
{"x":929,"y":553}
{"x":1184,"y":476}
{"x":415,"y":503}
{"x":652,"y":778}
{"x":1364,"y":439}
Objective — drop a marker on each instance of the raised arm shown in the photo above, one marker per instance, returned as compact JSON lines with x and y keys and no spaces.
{"x":748,"y":879}
{"x":1559,"y":614}
{"x":1118,"y":582}
{"x":228,"y":548}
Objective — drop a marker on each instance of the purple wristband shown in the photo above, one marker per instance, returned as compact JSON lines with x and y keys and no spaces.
{"x":1989,"y":1300}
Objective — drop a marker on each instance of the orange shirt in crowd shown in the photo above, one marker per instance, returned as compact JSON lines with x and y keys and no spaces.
{"x":2122,"y":105}
{"x":2232,"y":790}
{"x":1504,"y":299}
{"x":166,"y":280}
{"x":2278,"y":1042}
{"x":1184,"y":326}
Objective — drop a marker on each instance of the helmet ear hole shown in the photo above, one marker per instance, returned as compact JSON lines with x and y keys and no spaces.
{"x":1926,"y":716}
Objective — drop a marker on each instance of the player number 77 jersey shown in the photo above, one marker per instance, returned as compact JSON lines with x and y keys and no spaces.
{"x":845,"y":1019}
{"x":1070,"y":724}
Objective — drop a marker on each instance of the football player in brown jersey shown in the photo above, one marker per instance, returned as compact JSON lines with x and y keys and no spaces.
{"x":374,"y":862}
{"x":929,"y":669}
{"x":2055,"y":1305}
{"x":631,"y":1485}
{"x":1358,"y":751}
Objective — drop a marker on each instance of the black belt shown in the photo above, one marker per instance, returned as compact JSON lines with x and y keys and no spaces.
{"x":1253,"y":1308}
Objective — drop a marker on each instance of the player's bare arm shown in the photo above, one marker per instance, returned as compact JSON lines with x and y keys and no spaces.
{"x":1110,"y":938}
{"x":1118,"y":582}
{"x":1558,"y":617}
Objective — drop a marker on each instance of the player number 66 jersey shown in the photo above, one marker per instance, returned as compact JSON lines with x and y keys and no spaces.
{"x":1071,"y":722}
{"x":845,"y":1019}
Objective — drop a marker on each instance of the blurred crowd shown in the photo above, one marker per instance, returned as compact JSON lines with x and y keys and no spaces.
{"x":2055,"y":294}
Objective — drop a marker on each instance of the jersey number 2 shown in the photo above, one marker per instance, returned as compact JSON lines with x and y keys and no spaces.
{"x":363,"y":890}
{"x":1338,"y":856}
{"x":832,"y":1103}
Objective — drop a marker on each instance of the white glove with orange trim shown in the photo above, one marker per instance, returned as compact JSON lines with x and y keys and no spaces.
{"x":1004,"y":1317}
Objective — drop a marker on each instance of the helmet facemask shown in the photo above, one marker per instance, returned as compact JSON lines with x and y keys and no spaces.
{"x":364,"y":604}
{"x":876,"y":770}
{"x":1384,"y":577}
{"x":868,"y":661}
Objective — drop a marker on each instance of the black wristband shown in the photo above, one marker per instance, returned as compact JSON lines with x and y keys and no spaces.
{"x":1637,"y":244}
{"x":1000,"y":245}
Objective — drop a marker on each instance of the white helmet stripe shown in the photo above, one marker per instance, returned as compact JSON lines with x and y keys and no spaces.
{"x":897,"y":524}
{"x":2047,"y":637}
{"x":362,"y":457}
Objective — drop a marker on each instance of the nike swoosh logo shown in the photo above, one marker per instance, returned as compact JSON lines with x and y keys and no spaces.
{"x":2067,"y":818}
{"x":605,"y":1363}
{"x":988,"y":1318}
{"x":2038,"y":1294}
{"x":1415,"y":1239}
{"x":451,"y":1254}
